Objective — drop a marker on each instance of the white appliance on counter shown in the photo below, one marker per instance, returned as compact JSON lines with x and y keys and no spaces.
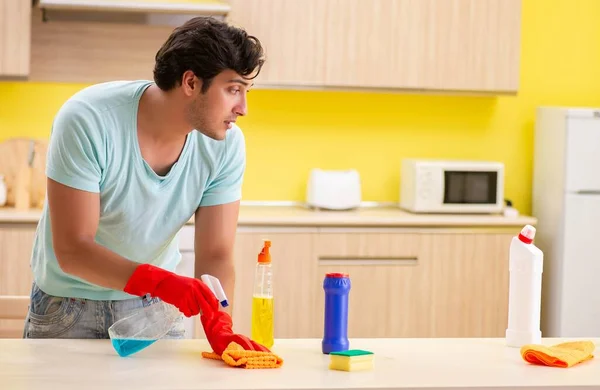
{"x":333,"y":189}
{"x":566,"y":202}
{"x":451,"y":186}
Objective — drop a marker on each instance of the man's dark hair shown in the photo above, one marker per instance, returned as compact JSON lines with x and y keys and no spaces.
{"x":207,"y":47}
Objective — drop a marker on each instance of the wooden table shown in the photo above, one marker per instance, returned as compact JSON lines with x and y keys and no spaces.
{"x":177,"y":364}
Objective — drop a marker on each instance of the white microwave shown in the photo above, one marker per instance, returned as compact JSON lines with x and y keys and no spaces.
{"x":451,"y":186}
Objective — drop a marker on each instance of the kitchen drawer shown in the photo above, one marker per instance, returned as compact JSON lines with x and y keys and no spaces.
{"x":387,"y":277}
{"x":368,"y":248}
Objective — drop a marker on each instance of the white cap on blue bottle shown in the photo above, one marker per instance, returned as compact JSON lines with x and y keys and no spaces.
{"x":215,"y":286}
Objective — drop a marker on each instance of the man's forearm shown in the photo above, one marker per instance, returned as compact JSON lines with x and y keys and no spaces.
{"x":96,"y":264}
{"x":222,"y":269}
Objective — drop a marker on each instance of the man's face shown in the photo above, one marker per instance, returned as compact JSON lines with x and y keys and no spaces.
{"x":213,"y":112}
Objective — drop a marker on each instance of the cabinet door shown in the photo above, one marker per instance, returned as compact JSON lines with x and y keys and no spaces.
{"x":293,"y":35}
{"x":471,"y":45}
{"x":15,"y":37}
{"x":16,"y":243}
{"x":468,"y":45}
{"x":420,"y":284}
{"x":390,"y":292}
{"x":295,"y":281}
{"x":375,"y":43}
{"x":468,"y":283}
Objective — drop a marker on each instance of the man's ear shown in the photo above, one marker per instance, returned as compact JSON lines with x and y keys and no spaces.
{"x":190,"y":83}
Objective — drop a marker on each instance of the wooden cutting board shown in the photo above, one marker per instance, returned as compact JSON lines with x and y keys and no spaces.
{"x":14,"y":154}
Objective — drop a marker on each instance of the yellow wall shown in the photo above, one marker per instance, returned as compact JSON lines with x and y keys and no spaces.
{"x":290,"y":132}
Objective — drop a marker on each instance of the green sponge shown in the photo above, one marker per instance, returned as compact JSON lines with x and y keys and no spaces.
{"x":351,"y":360}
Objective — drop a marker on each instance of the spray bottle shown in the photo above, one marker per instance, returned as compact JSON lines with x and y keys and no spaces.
{"x":262,"y":299}
{"x":132,"y":334}
{"x":525,"y":290}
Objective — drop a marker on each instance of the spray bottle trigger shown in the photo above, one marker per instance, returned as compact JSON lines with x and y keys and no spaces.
{"x":215,"y":286}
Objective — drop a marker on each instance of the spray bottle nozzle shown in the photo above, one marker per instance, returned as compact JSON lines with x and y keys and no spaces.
{"x":215,"y":286}
{"x":265,"y":256}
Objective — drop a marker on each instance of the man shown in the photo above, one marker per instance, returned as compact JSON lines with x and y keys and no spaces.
{"x":129,"y":163}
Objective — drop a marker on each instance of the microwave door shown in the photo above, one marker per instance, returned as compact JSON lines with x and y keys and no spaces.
{"x":470,"y":187}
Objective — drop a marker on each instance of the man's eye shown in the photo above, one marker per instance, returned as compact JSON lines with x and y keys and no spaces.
{"x":234,"y":90}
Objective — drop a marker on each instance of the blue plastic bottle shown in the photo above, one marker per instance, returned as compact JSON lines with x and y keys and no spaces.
{"x":337,"y":289}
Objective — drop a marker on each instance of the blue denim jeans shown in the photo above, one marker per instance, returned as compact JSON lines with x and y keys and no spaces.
{"x":74,"y":318}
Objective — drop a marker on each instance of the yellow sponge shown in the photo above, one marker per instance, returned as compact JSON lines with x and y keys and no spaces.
{"x":351,"y":360}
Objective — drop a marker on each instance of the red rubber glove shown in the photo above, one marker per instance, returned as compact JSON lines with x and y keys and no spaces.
{"x":191,"y":296}
{"x":218,"y":329}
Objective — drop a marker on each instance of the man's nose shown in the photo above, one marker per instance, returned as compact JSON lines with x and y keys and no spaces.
{"x":241,"y":108}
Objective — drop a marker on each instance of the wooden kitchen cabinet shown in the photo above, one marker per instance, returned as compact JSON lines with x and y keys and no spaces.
{"x":467,"y":284}
{"x":376,"y":43}
{"x":462,"y":45}
{"x":470,"y":45}
{"x":16,"y":243}
{"x":420,"y":284}
{"x":15,"y":37}
{"x":404,"y":283}
{"x":408,"y":280}
{"x":292,"y":34}
{"x":453,"y":45}
{"x":420,"y":45}
{"x":295,"y":281}
{"x":389,"y":281}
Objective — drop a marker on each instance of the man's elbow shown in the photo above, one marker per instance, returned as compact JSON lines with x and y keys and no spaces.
{"x":216,"y":255}
{"x":68,"y":252}
{"x":215,"y":259}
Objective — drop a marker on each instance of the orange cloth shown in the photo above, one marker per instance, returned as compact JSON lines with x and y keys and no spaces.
{"x":236,"y":356}
{"x":562,"y":355}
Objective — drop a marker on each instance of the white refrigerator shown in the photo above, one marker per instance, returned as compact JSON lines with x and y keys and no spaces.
{"x":566,"y":202}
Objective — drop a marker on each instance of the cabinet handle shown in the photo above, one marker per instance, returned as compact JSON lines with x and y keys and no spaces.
{"x":403,"y":261}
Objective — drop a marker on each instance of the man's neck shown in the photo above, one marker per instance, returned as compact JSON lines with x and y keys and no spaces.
{"x":161,"y":129}
{"x":160,"y":118}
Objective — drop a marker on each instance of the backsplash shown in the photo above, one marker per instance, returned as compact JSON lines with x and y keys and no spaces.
{"x":290,"y":132}
{"x":22,"y":166}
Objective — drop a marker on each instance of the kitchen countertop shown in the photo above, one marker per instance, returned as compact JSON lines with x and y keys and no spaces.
{"x":177,"y":364}
{"x":302,"y":216}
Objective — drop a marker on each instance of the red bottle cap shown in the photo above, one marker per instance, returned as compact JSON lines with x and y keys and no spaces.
{"x":336,"y":275}
{"x":527,"y":234}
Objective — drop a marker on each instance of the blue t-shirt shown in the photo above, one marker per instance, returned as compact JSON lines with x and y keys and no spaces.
{"x":94,"y":147}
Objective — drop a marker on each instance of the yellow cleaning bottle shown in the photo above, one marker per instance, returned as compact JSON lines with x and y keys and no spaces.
{"x":262,"y":299}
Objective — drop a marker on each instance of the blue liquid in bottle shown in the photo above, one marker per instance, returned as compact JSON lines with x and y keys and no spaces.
{"x":126,"y":347}
{"x":337,"y":288}
{"x":131,"y":334}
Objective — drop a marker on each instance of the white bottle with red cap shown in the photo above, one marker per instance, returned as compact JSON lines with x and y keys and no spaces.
{"x":525,"y":290}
